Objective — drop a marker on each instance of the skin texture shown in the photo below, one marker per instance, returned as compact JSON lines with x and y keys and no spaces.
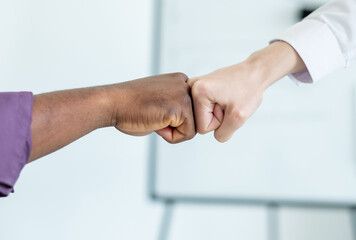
{"x":158,"y":103}
{"x":226,"y":98}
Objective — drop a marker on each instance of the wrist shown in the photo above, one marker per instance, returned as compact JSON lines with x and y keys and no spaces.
{"x":117,"y":103}
{"x":274,"y":62}
{"x":105,"y":98}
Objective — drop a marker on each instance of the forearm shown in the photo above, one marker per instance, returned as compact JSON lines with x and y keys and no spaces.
{"x":60,"y":118}
{"x":276,"y":61}
{"x":157,"y":103}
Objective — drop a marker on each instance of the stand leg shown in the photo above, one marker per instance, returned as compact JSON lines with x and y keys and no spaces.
{"x":272,"y":222}
{"x":166,"y":220}
{"x":353,"y":221}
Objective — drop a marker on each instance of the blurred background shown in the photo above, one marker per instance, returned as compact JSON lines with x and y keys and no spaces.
{"x":299,"y":146}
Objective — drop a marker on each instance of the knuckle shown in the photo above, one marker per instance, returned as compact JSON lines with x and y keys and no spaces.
{"x":170,"y":114}
{"x":181,"y":76}
{"x":176,"y":139}
{"x":186,"y":100}
{"x":202,"y":130}
{"x":238,"y":115}
{"x":171,"y":141}
{"x":191,"y":81}
{"x":191,"y":134}
{"x":200,"y":88}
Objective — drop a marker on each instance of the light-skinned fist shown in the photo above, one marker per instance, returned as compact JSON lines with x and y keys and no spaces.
{"x":226,"y":98}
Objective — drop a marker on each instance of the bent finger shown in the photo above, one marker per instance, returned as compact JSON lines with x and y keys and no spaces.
{"x":208,"y":114}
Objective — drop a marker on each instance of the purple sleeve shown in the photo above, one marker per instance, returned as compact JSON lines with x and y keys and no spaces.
{"x":15,"y":137}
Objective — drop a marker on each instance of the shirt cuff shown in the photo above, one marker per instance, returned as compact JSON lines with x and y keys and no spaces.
{"x":318,"y":48}
{"x":15,"y":137}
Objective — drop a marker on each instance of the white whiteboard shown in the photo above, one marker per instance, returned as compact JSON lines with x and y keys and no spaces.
{"x":300,"y":143}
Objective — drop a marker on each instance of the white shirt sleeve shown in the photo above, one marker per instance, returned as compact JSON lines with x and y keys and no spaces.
{"x":325,"y":40}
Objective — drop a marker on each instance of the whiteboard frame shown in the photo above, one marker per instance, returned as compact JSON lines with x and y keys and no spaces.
{"x":153,"y":149}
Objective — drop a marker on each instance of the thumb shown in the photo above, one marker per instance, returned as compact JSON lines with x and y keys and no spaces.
{"x":233,"y":119}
